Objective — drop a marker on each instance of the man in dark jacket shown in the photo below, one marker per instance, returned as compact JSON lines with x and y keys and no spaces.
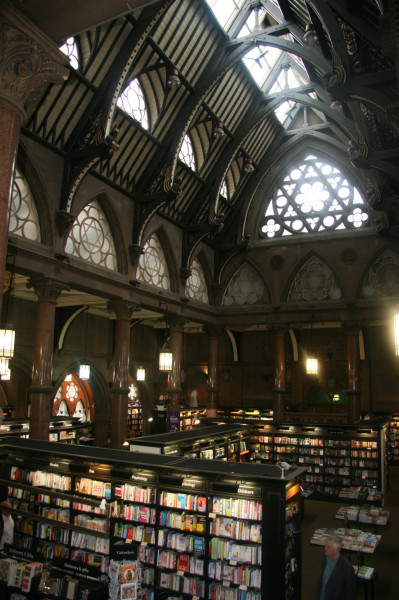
{"x":338,"y":579}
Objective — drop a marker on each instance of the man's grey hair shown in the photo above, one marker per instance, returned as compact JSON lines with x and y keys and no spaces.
{"x":336,"y":541}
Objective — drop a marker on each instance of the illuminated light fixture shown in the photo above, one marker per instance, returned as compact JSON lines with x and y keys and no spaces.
{"x":249,"y":166}
{"x":311,"y":366}
{"x":219,"y":131}
{"x":337,"y":106}
{"x":396,"y":326}
{"x":4,"y":365}
{"x":84,"y":372}
{"x":150,"y":419}
{"x":310,"y":38}
{"x":140,"y":375}
{"x":84,"y":369}
{"x":165,"y":360}
{"x":174,"y":80}
{"x":6,"y":376}
{"x":7,"y":341}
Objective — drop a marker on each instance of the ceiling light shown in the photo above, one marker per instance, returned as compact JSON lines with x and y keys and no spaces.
{"x":7,"y":341}
{"x":249,"y":166}
{"x":310,"y":37}
{"x":165,"y":361}
{"x":219,"y":131}
{"x":311,"y":366}
{"x":337,"y":106}
{"x":140,"y":375}
{"x":174,"y":79}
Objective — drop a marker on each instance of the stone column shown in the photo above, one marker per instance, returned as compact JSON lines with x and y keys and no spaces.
{"x":175,"y":388}
{"x":212,"y":390}
{"x":120,"y":389}
{"x":353,"y":358}
{"x":28,"y":62}
{"x":41,"y":390}
{"x":279,"y":389}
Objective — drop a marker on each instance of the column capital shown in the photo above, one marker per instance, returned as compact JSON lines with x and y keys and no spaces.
{"x":47,"y":289}
{"x":29,"y":60}
{"x":123,"y":309}
{"x":176,"y":323}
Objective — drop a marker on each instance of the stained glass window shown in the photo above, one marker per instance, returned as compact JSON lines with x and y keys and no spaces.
{"x":152,"y":267}
{"x":196,"y":286}
{"x":314,"y":282}
{"x":186,"y":153}
{"x":91,"y":239}
{"x":383,"y":276}
{"x":245,"y":287}
{"x":71,"y":50}
{"x":132,"y":101}
{"x":24,"y":220}
{"x":314,"y":197}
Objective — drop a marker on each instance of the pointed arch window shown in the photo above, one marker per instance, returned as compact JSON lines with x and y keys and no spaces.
{"x":383,"y":276}
{"x":24,"y":220}
{"x":91,"y":239}
{"x":196,"y":286}
{"x":314,"y":197}
{"x":186,"y":153}
{"x":152,"y":267}
{"x":71,"y":50}
{"x":315,"y":281}
{"x":245,"y":287}
{"x":132,"y":101}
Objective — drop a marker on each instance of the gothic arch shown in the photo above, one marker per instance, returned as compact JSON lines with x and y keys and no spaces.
{"x":335,"y":284}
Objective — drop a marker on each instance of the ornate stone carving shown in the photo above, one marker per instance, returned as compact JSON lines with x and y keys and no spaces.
{"x":28,"y":60}
{"x":123,"y":309}
{"x":46,"y":289}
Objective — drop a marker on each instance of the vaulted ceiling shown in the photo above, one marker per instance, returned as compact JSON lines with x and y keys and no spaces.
{"x":354,"y":63}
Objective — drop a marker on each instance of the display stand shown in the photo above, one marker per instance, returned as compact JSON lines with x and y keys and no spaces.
{"x":200,"y":527}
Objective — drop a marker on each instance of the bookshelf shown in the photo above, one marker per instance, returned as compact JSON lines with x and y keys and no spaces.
{"x":393,"y":440}
{"x":214,"y":442}
{"x":134,"y":420}
{"x":62,"y":429}
{"x":341,"y":460}
{"x":177,"y":513}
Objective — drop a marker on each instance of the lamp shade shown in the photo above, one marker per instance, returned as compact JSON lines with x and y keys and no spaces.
{"x":140,"y":375}
{"x":4,"y":365}
{"x":84,"y":372}
{"x":7,"y":341}
{"x":311,"y":366}
{"x":396,"y":328}
{"x":174,"y":79}
{"x":165,"y":361}
{"x":6,"y":376}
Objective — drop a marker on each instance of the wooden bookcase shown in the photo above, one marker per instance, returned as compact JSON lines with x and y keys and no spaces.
{"x":336,"y":456}
{"x":200,"y":527}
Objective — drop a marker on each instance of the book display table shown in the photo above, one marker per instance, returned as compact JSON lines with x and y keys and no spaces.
{"x":363,"y":515}
{"x":366,"y":576}
{"x":353,"y":540}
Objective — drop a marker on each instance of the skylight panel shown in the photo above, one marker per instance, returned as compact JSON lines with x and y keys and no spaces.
{"x":225,"y":10}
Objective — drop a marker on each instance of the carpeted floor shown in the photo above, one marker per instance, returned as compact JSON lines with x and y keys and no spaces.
{"x":385,"y":559}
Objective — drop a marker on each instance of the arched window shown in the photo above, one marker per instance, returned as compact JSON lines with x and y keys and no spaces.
{"x":196,"y":286}
{"x":314,"y":197}
{"x":132,"y":101}
{"x":245,"y":287}
{"x":383,"y":276}
{"x":186,"y":153}
{"x":152,"y":267}
{"x":314,"y":282}
{"x":71,"y":50}
{"x":91,"y":239}
{"x":24,"y":220}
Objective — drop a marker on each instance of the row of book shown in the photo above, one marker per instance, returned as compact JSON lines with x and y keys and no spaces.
{"x":219,"y":591}
{"x":181,"y":542}
{"x":183,"y":501}
{"x":96,"y":524}
{"x":182,"y":521}
{"x":222,"y":549}
{"x":186,"y":585}
{"x":237,"y":575}
{"x":137,"y":533}
{"x":93,"y":487}
{"x":135,"y":493}
{"x":240,"y":508}
{"x":351,"y":539}
{"x":238,"y":529}
{"x":19,"y":574}
{"x":55,"y":513}
{"x":45,"y":531}
{"x":90,"y":542}
{"x":133,"y":512}
{"x":364,"y":514}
